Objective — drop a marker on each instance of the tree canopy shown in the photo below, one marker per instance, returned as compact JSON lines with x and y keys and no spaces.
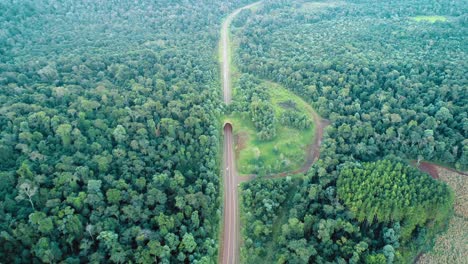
{"x":394,"y":90}
{"x":108,"y":131}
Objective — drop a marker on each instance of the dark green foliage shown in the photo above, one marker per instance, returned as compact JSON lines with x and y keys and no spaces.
{"x":295,"y":119}
{"x":263,"y":117}
{"x":256,"y":195}
{"x":250,"y":90}
{"x":312,"y":226}
{"x":108,"y":131}
{"x":254,"y":99}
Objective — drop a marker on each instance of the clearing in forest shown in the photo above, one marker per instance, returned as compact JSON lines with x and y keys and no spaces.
{"x":431,"y":19}
{"x":287,"y":151}
{"x":317,"y":6}
{"x":450,"y":247}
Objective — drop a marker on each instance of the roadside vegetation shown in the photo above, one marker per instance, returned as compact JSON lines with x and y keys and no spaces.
{"x":273,"y":127}
{"x":258,"y":232}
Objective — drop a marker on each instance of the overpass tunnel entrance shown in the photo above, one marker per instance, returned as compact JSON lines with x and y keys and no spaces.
{"x":227,"y":127}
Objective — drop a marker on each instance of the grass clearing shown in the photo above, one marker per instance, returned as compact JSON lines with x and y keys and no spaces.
{"x":459,"y":184}
{"x":451,"y":246}
{"x":430,"y":19}
{"x":317,"y":6}
{"x":286,"y":152}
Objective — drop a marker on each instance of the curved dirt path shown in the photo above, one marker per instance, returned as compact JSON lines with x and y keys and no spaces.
{"x":433,"y":169}
{"x":229,"y":252}
{"x":313,"y":152}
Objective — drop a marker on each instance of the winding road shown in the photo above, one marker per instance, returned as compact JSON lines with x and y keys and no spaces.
{"x":230,"y":237}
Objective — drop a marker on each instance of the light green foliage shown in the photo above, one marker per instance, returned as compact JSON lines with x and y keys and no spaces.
{"x":376,"y":259}
{"x":120,"y":134}
{"x":287,"y":149}
{"x":188,"y":243}
{"x":113,"y":196}
{"x":43,"y":223}
{"x":109,"y":238}
{"x":264,"y":119}
{"x":386,"y":191}
{"x":25,"y":172}
{"x":431,"y":19}
{"x":64,"y":131}
{"x":295,"y":119}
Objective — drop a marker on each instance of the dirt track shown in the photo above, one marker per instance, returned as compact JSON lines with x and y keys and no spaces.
{"x":429,"y":168}
{"x":433,"y":169}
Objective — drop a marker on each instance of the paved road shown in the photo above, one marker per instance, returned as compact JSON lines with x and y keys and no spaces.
{"x":231,"y":232}
{"x":230,"y":238}
{"x":226,"y":52}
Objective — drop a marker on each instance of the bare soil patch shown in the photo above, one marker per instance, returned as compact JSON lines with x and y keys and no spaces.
{"x":430,"y":169}
{"x":240,"y":141}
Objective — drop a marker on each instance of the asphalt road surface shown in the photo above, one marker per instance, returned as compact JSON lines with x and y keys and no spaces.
{"x":225,"y":52}
{"x":231,"y":232}
{"x":230,"y":238}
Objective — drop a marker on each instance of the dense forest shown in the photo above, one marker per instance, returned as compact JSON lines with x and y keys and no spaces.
{"x":388,"y":83}
{"x":110,"y":128}
{"x":394,"y":89}
{"x":254,"y":101}
{"x":109,"y":134}
{"x":310,"y":220}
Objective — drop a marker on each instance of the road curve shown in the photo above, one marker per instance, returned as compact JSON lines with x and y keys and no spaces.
{"x":229,"y":253}
{"x":225,"y":51}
